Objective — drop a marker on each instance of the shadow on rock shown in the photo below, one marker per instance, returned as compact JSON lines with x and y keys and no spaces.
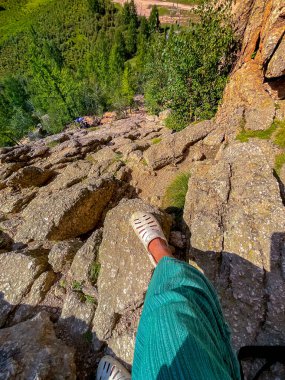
{"x":46,"y":346}
{"x":251,"y":296}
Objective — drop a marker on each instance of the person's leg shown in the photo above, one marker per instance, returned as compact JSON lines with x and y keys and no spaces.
{"x":182,"y":334}
{"x":159,"y":249}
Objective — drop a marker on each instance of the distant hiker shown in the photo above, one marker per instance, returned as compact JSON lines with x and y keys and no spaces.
{"x":182,"y":334}
{"x":88,"y":121}
{"x":81,"y":122}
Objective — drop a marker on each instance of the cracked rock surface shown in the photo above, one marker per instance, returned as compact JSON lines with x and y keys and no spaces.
{"x":235,"y":216}
{"x":124,"y":276}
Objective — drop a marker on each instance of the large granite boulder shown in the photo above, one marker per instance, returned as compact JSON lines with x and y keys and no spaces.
{"x":173,"y":147}
{"x":62,"y":253}
{"x":124,"y":277}
{"x":67,"y":213}
{"x":236,"y":221}
{"x":30,"y":176}
{"x":28,"y":306}
{"x":73,"y":173}
{"x":19,"y":271}
{"x":30,"y":350}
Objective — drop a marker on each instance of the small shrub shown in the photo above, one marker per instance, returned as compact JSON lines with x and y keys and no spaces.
{"x":176,"y":192}
{"x":76,"y":285}
{"x":176,"y":121}
{"x":279,"y":162}
{"x":186,"y":68}
{"x":94,"y":271}
{"x":156,"y":140}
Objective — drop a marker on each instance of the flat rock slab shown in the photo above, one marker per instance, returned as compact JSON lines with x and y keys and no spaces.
{"x":172,"y":148}
{"x":67,"y":213}
{"x":30,"y":350}
{"x":125,"y":271}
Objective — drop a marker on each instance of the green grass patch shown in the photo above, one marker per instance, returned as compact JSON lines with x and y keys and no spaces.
{"x":176,"y":192}
{"x":279,"y":137}
{"x":76,"y":285}
{"x":93,"y":129}
{"x":118,"y":156}
{"x":89,"y":299}
{"x":156,"y":140}
{"x":62,"y":283}
{"x":279,"y":162}
{"x":91,"y":159}
{"x":52,"y":144}
{"x":94,"y":272}
{"x":245,"y":135}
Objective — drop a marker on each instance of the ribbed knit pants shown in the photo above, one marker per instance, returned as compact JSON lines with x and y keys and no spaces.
{"x":182,"y":333}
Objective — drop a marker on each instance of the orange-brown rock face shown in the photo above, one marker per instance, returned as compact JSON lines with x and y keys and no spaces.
{"x":256,"y":89}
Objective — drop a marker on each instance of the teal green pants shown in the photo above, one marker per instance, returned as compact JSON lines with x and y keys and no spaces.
{"x":182,"y":334}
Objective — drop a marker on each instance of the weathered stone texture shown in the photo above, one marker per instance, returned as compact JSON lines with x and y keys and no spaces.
{"x":62,"y":253}
{"x":19,"y":271}
{"x":84,"y":258}
{"x":276,"y":66}
{"x":125,"y":269}
{"x":30,"y":350}
{"x":30,"y":176}
{"x":236,"y":221}
{"x":173,"y":147}
{"x":249,"y":100}
{"x":66,"y":213}
{"x":76,"y":316}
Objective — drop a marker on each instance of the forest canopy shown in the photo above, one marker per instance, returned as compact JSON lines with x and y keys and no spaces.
{"x":63,"y":59}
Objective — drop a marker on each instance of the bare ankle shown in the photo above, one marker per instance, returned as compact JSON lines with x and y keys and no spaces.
{"x":159,"y":249}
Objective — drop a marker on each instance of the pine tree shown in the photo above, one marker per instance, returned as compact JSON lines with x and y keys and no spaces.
{"x":153,"y":20}
{"x":127,"y":85}
{"x":97,"y":6}
{"x":133,"y":13}
{"x":117,"y":56}
{"x":131,"y":38}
